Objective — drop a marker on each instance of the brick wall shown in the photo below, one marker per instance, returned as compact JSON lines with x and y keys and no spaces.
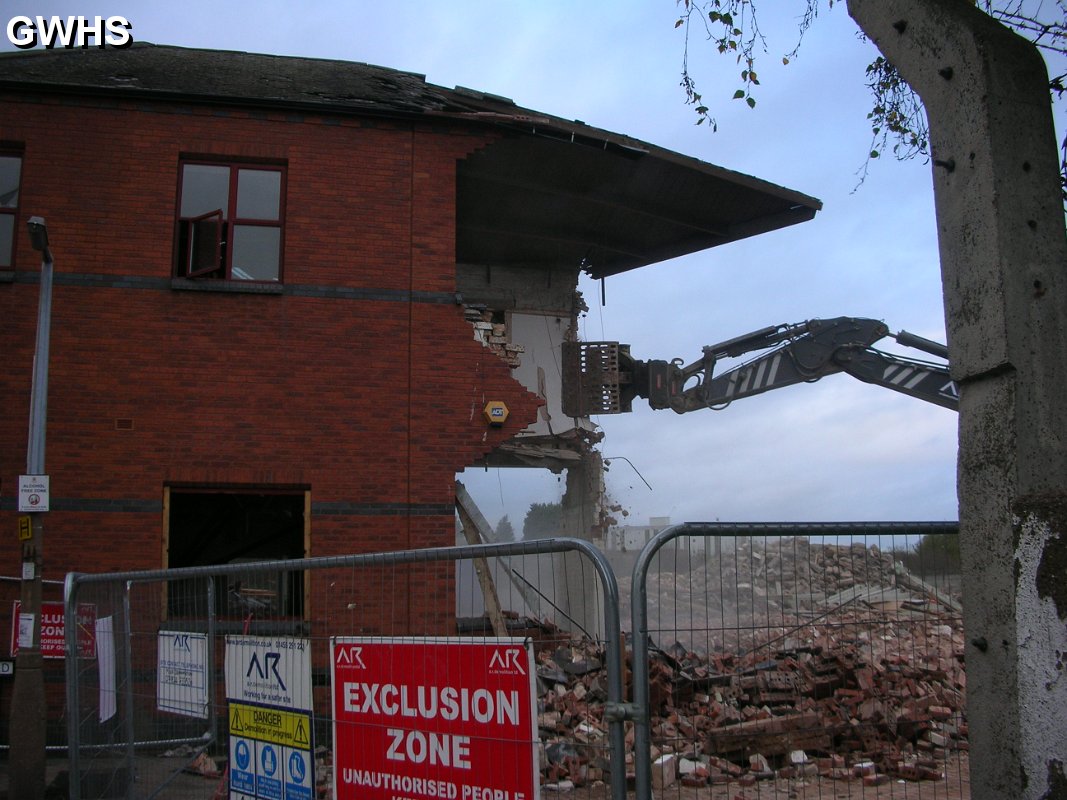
{"x":366,"y":397}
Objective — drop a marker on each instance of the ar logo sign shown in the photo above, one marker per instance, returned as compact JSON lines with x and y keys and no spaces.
{"x":351,"y":656}
{"x":507,"y":659}
{"x":181,"y":642}
{"x":265,"y":668}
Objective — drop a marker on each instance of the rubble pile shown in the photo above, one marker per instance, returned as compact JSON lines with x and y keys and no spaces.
{"x":850,"y":669}
{"x":572,"y":690}
{"x":892,"y":700}
{"x":721,"y":588}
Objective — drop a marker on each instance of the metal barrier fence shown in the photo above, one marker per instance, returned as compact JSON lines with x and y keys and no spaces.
{"x":800,"y":661}
{"x":813,"y":660}
{"x":349,"y":677}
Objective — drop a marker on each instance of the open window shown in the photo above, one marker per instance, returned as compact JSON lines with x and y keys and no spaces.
{"x":206,"y":245}
{"x":230,"y":222}
{"x":206,"y":527}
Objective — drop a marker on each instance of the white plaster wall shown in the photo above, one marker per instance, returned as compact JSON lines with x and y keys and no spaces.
{"x":541,"y":336}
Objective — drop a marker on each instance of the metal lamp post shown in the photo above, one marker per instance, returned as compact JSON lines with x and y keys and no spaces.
{"x":28,"y":707}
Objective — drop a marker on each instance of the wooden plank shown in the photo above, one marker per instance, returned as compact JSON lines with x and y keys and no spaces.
{"x":468,"y":512}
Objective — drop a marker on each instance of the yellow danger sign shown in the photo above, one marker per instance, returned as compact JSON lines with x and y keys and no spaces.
{"x":286,"y":728}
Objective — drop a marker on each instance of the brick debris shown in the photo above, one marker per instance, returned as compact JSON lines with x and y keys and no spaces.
{"x":844,"y":666}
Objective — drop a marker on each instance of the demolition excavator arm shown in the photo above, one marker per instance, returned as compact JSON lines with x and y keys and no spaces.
{"x":603,"y":378}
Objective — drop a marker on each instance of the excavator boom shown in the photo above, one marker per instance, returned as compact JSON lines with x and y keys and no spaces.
{"x":603,"y":378}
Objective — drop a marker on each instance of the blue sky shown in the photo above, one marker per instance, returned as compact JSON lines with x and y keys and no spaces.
{"x":834,"y":450}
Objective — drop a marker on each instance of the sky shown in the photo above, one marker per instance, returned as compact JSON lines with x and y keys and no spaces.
{"x":836,"y":450}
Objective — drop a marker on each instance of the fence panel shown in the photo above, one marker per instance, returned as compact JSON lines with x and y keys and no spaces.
{"x":351,"y":677}
{"x":800,"y":661}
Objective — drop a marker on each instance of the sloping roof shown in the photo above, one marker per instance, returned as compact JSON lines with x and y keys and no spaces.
{"x":550,"y":192}
{"x":170,"y":72}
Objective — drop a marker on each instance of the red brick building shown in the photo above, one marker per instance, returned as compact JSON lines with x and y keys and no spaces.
{"x":285,"y":289}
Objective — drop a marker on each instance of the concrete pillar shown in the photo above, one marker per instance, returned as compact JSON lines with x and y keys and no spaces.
{"x":576,"y":580}
{"x":1003,"y":260}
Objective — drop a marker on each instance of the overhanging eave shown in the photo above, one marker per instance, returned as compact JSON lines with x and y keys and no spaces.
{"x":534,"y":200}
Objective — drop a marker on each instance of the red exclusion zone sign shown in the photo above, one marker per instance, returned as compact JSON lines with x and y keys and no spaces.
{"x":53,"y":630}
{"x":434,"y":719}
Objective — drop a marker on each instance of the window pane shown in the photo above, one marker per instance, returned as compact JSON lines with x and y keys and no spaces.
{"x":10,"y":167}
{"x":204,"y":188}
{"x":205,"y":240}
{"x":256,"y":253}
{"x":259,"y":194}
{"x":7,"y":238}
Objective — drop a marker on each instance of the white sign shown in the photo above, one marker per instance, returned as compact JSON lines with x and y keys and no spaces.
{"x":268,"y":687}
{"x":33,"y":493}
{"x":273,"y":671}
{"x":26,"y":623}
{"x":181,"y":685}
{"x":107,"y":667}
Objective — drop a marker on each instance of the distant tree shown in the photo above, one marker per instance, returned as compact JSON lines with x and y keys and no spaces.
{"x":933,"y":554}
{"x":542,"y":520}
{"x":505,"y":531}
{"x":897,"y":117}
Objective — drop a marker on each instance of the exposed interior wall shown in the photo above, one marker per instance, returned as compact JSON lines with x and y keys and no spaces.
{"x":517,"y":288}
{"x":525,"y":315}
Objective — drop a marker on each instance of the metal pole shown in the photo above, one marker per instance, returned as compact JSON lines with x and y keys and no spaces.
{"x":73,"y":668}
{"x":28,"y":707}
{"x":127,"y":665}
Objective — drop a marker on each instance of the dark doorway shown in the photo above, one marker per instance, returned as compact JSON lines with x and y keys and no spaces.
{"x":238,"y":527}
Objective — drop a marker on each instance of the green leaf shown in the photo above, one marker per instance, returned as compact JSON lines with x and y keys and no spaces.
{"x":679,"y":23}
{"x":874,"y":154}
{"x":751,"y":102}
{"x":739,"y":94}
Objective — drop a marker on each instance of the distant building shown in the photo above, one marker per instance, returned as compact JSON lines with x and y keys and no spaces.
{"x":631,"y":538}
